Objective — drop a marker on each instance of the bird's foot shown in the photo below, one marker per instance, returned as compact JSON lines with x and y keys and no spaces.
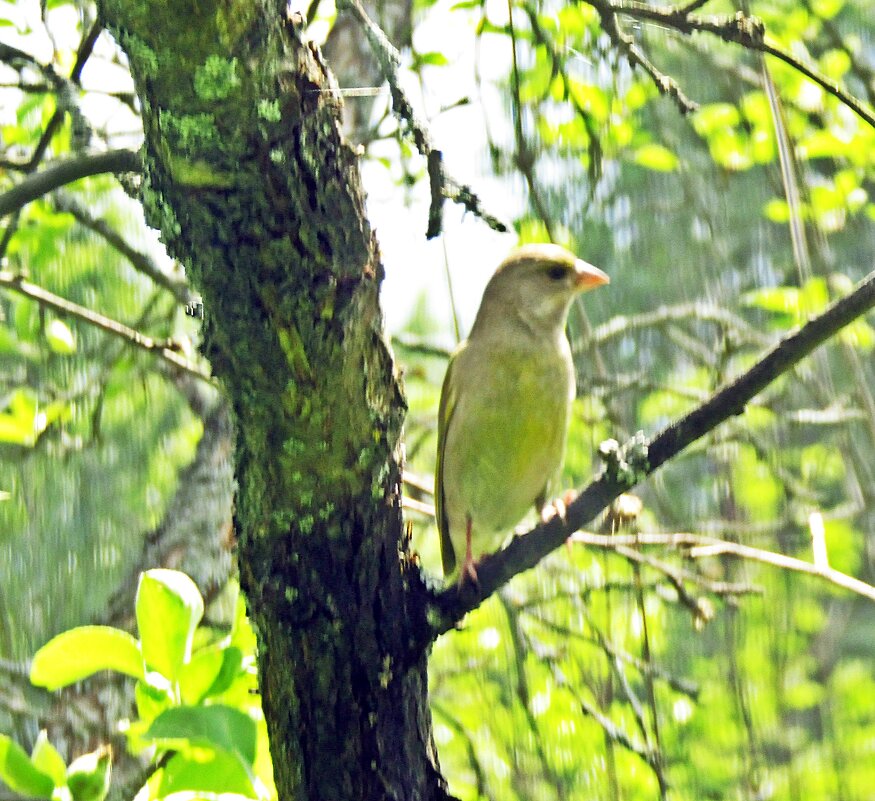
{"x":468,"y":574}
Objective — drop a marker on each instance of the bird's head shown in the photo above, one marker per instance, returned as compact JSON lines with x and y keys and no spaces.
{"x":538,"y":283}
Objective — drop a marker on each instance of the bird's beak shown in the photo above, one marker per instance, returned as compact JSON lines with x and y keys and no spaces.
{"x":588,"y":277}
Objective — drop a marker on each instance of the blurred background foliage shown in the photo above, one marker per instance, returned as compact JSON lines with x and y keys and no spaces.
{"x":605,"y":673}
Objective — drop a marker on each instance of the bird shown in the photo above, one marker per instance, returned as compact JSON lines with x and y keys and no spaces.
{"x":505,"y":404}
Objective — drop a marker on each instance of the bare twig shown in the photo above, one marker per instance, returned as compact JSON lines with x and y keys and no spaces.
{"x":697,"y":311}
{"x":699,"y":546}
{"x":666,"y":85}
{"x":447,"y":187}
{"x":15,"y":283}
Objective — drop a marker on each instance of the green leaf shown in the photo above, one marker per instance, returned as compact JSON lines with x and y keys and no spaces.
{"x":656,"y":157}
{"x":714,"y":116}
{"x":88,"y":776}
{"x":46,"y":758}
{"x":200,"y":674}
{"x":432,"y":59}
{"x":217,"y":726}
{"x":756,"y":488}
{"x":20,"y":773}
{"x":152,"y":700}
{"x":83,"y":651}
{"x":212,"y":773}
{"x":591,"y":98}
{"x":60,"y":337}
{"x":169,"y":608}
{"x":232,"y":667}
{"x":777,"y":210}
{"x":22,"y":422}
{"x":827,"y":9}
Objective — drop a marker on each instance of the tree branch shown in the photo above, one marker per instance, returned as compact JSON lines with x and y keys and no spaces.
{"x":65,"y":172}
{"x":666,"y":85}
{"x":700,"y":546}
{"x":629,"y":465}
{"x":748,"y":31}
{"x":16,"y":283}
{"x":442,"y":184}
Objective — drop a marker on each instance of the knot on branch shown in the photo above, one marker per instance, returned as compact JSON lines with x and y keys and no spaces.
{"x":749,"y":29}
{"x":626,"y":464}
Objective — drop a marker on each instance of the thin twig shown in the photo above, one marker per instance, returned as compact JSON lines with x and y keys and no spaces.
{"x":747,"y":31}
{"x":666,"y":85}
{"x":389,"y":60}
{"x":696,"y":311}
{"x":15,"y":283}
{"x":699,"y":546}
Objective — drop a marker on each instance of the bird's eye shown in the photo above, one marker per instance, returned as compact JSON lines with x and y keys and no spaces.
{"x":557,"y":273}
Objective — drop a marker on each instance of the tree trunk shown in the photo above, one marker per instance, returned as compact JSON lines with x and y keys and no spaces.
{"x":254,"y":190}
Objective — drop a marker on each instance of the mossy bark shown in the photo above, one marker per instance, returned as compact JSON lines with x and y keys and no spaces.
{"x":252,"y":187}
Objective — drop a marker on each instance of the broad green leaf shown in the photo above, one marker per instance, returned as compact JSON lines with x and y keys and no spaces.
{"x":46,"y":758}
{"x":656,"y":157}
{"x":756,"y":109}
{"x":200,"y":673}
{"x":827,"y":9}
{"x":60,"y":337}
{"x":22,"y":776}
{"x":803,"y":694}
{"x":169,"y":608}
{"x":232,"y":667}
{"x":730,"y":150}
{"x":835,"y":63}
{"x":217,"y":726}
{"x":88,"y":776}
{"x":76,"y":654}
{"x":777,"y":210}
{"x":23,"y":421}
{"x":152,"y":698}
{"x":858,"y":334}
{"x":213,"y":772}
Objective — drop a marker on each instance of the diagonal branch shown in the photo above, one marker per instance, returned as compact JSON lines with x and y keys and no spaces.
{"x":40,"y":183}
{"x":160,"y":347}
{"x":638,"y":459}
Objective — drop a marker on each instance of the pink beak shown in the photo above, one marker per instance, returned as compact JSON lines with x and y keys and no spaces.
{"x":589,"y":277}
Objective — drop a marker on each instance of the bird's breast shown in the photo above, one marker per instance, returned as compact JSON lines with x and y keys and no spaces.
{"x":507,"y":436}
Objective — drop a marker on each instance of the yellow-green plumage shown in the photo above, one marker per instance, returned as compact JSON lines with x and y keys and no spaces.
{"x":505,"y":403}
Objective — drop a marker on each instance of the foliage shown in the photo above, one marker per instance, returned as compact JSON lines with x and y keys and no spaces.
{"x":199,"y":714}
{"x":603,"y":673}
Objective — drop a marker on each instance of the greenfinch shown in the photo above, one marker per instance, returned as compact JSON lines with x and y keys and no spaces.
{"x":506,"y":402}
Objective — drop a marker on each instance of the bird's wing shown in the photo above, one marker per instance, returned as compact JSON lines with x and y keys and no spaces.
{"x":445,"y":416}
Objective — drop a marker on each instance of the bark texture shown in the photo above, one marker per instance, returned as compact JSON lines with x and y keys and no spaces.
{"x":252,"y":187}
